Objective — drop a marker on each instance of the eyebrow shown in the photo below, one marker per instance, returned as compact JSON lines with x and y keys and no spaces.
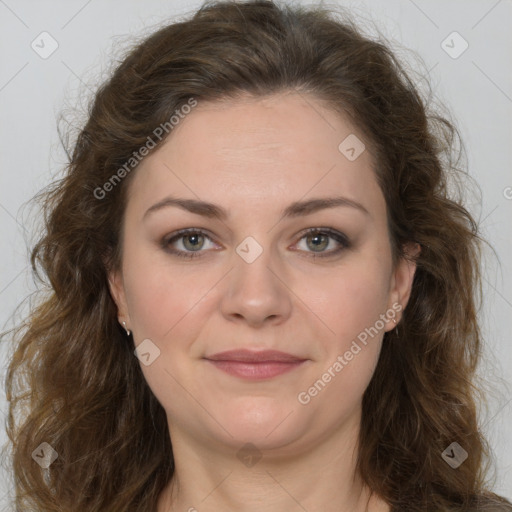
{"x":295,"y":209}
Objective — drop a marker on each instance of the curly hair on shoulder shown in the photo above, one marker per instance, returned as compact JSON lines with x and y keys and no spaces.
{"x":73,"y":380}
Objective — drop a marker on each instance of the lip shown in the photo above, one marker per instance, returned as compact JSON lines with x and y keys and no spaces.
{"x":251,"y":365}
{"x":250,"y":356}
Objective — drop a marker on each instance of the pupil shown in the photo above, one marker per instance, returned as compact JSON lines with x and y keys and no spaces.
{"x":194,"y":243}
{"x":317,"y":238}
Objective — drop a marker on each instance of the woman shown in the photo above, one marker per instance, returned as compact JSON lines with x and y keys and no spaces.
{"x":262,"y":296}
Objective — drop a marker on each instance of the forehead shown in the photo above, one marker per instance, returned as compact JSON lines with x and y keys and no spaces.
{"x":265,"y":150}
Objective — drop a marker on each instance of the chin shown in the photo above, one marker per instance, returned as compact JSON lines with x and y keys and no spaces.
{"x":260,"y":421}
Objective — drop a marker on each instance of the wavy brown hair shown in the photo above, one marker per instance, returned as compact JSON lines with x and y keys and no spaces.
{"x":73,"y":380}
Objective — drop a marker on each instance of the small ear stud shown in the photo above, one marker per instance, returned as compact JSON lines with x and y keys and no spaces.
{"x":394,"y":320}
{"x":128,"y":332}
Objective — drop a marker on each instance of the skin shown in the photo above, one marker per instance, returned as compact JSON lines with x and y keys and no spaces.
{"x":254,"y":157}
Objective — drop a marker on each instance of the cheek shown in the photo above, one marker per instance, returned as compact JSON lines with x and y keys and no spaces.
{"x":161,"y":297}
{"x":351,"y":308}
{"x":165,"y":307}
{"x":349,"y":299}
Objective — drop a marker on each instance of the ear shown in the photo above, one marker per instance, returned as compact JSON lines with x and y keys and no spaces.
{"x":117,"y":291}
{"x":401,"y":283}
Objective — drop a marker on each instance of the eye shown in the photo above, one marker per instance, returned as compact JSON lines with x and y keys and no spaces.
{"x":188,"y":243}
{"x":191,"y":239}
{"x":320,"y":239}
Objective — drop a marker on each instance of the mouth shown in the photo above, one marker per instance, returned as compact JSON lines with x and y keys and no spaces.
{"x":251,"y":365}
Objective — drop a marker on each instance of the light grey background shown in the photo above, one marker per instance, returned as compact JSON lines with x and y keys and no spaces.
{"x":476,"y":87}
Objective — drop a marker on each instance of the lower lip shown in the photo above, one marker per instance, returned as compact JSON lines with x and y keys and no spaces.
{"x":255,"y":371}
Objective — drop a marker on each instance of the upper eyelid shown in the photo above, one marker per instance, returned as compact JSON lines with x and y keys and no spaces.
{"x":184,"y":232}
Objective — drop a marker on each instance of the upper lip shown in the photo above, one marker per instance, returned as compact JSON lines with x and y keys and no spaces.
{"x":249,"y":356}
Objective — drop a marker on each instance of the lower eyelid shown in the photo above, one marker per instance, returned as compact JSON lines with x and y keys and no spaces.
{"x":331,"y":253}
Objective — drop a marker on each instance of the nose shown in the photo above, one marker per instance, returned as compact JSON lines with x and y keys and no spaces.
{"x":257,"y":293}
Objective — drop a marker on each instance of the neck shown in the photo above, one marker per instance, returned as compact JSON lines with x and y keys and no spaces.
{"x":209,"y":478}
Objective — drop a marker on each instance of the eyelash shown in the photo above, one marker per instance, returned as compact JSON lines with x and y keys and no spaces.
{"x":337,"y":236}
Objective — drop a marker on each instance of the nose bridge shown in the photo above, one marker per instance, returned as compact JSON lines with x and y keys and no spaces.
{"x":255,"y":289}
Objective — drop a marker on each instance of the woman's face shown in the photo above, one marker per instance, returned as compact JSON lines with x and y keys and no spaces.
{"x":258,"y":281}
